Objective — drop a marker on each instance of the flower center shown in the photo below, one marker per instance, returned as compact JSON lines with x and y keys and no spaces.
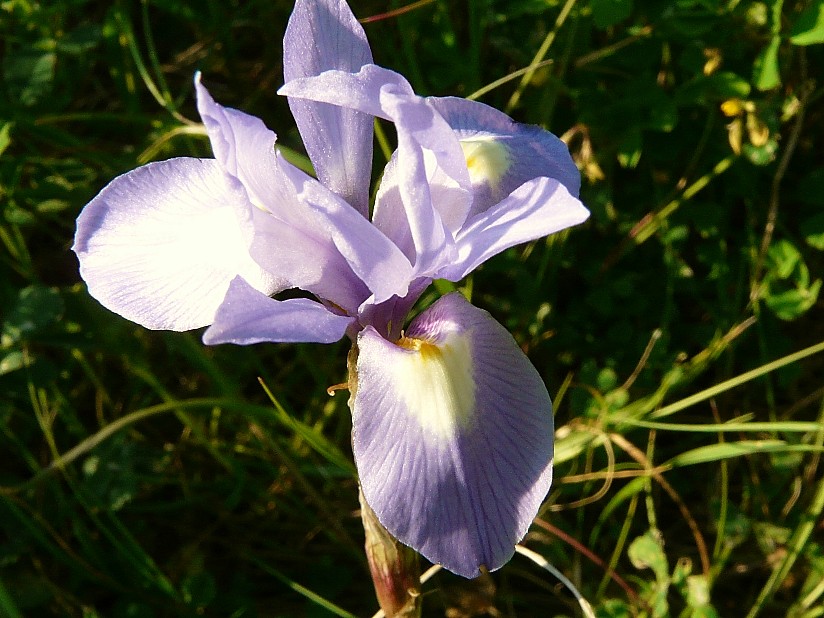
{"x":486,"y":158}
{"x":436,"y":383}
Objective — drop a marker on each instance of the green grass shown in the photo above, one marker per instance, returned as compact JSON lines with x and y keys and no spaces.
{"x":679,"y":330}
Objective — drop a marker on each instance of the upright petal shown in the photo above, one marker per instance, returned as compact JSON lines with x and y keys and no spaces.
{"x":420,"y":129}
{"x":160,"y":244}
{"x":246,"y":316}
{"x":307,"y":218}
{"x":502,"y":154}
{"x":324,"y":35}
{"x":537,"y":208}
{"x":373,"y":257}
{"x":322,"y":245}
{"x":452,"y":436}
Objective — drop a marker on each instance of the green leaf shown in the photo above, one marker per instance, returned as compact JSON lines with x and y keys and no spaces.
{"x":38,"y":306}
{"x":614,"y":608}
{"x":629,"y":151}
{"x":698,"y":592}
{"x":647,"y":552}
{"x":791,"y":304}
{"x":766,"y":74}
{"x":81,"y":40}
{"x":12,"y":362}
{"x":783,"y":258}
{"x":29,"y":73}
{"x":761,"y":155}
{"x":719,"y":86}
{"x":5,"y":137}
{"x":606,"y":13}
{"x":813,"y":231}
{"x":808,"y":29}
{"x":730,"y":450}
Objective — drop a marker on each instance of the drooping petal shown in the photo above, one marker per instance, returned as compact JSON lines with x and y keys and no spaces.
{"x":537,"y":208}
{"x":324,"y":35}
{"x":308,"y":260}
{"x":502,"y":154}
{"x":160,"y":244}
{"x":246,"y":316}
{"x":453,"y":436}
{"x":386,"y":94}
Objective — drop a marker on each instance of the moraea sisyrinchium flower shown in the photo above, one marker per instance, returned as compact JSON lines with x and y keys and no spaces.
{"x":452,"y":425}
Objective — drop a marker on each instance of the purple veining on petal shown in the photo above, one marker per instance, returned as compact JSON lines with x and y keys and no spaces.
{"x":459,"y":481}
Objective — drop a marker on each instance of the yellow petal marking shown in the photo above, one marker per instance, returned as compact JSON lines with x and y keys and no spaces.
{"x":435,"y":382}
{"x":487,"y":159}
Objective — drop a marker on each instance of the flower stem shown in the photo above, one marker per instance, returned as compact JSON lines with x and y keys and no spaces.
{"x":394,"y":566}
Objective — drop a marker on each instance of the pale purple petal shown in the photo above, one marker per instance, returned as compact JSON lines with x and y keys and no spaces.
{"x":243,"y":146}
{"x":449,"y":201}
{"x":323,"y":245}
{"x":292,"y":238}
{"x":537,"y":208}
{"x":386,"y":94}
{"x":420,"y":128}
{"x":246,"y":316}
{"x":372,"y":256}
{"x":160,"y":244}
{"x":503,"y":154}
{"x":307,"y":259}
{"x":453,"y":436}
{"x":323,"y":35}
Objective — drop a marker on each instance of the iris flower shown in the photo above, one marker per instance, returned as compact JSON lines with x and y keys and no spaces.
{"x":452,"y":425}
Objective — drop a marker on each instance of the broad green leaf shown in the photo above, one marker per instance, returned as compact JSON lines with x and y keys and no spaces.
{"x":698,"y":592}
{"x":783,"y":258}
{"x":813,"y":231}
{"x":761,"y":155}
{"x":791,"y":304}
{"x":81,"y":40}
{"x":766,"y":74}
{"x":37,"y":307}
{"x":647,"y":552}
{"x":808,"y":29}
{"x":12,"y":362}
{"x":29,"y":74}
{"x":713,"y":88}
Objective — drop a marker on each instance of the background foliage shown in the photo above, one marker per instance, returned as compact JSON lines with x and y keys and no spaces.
{"x":145,"y":475}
